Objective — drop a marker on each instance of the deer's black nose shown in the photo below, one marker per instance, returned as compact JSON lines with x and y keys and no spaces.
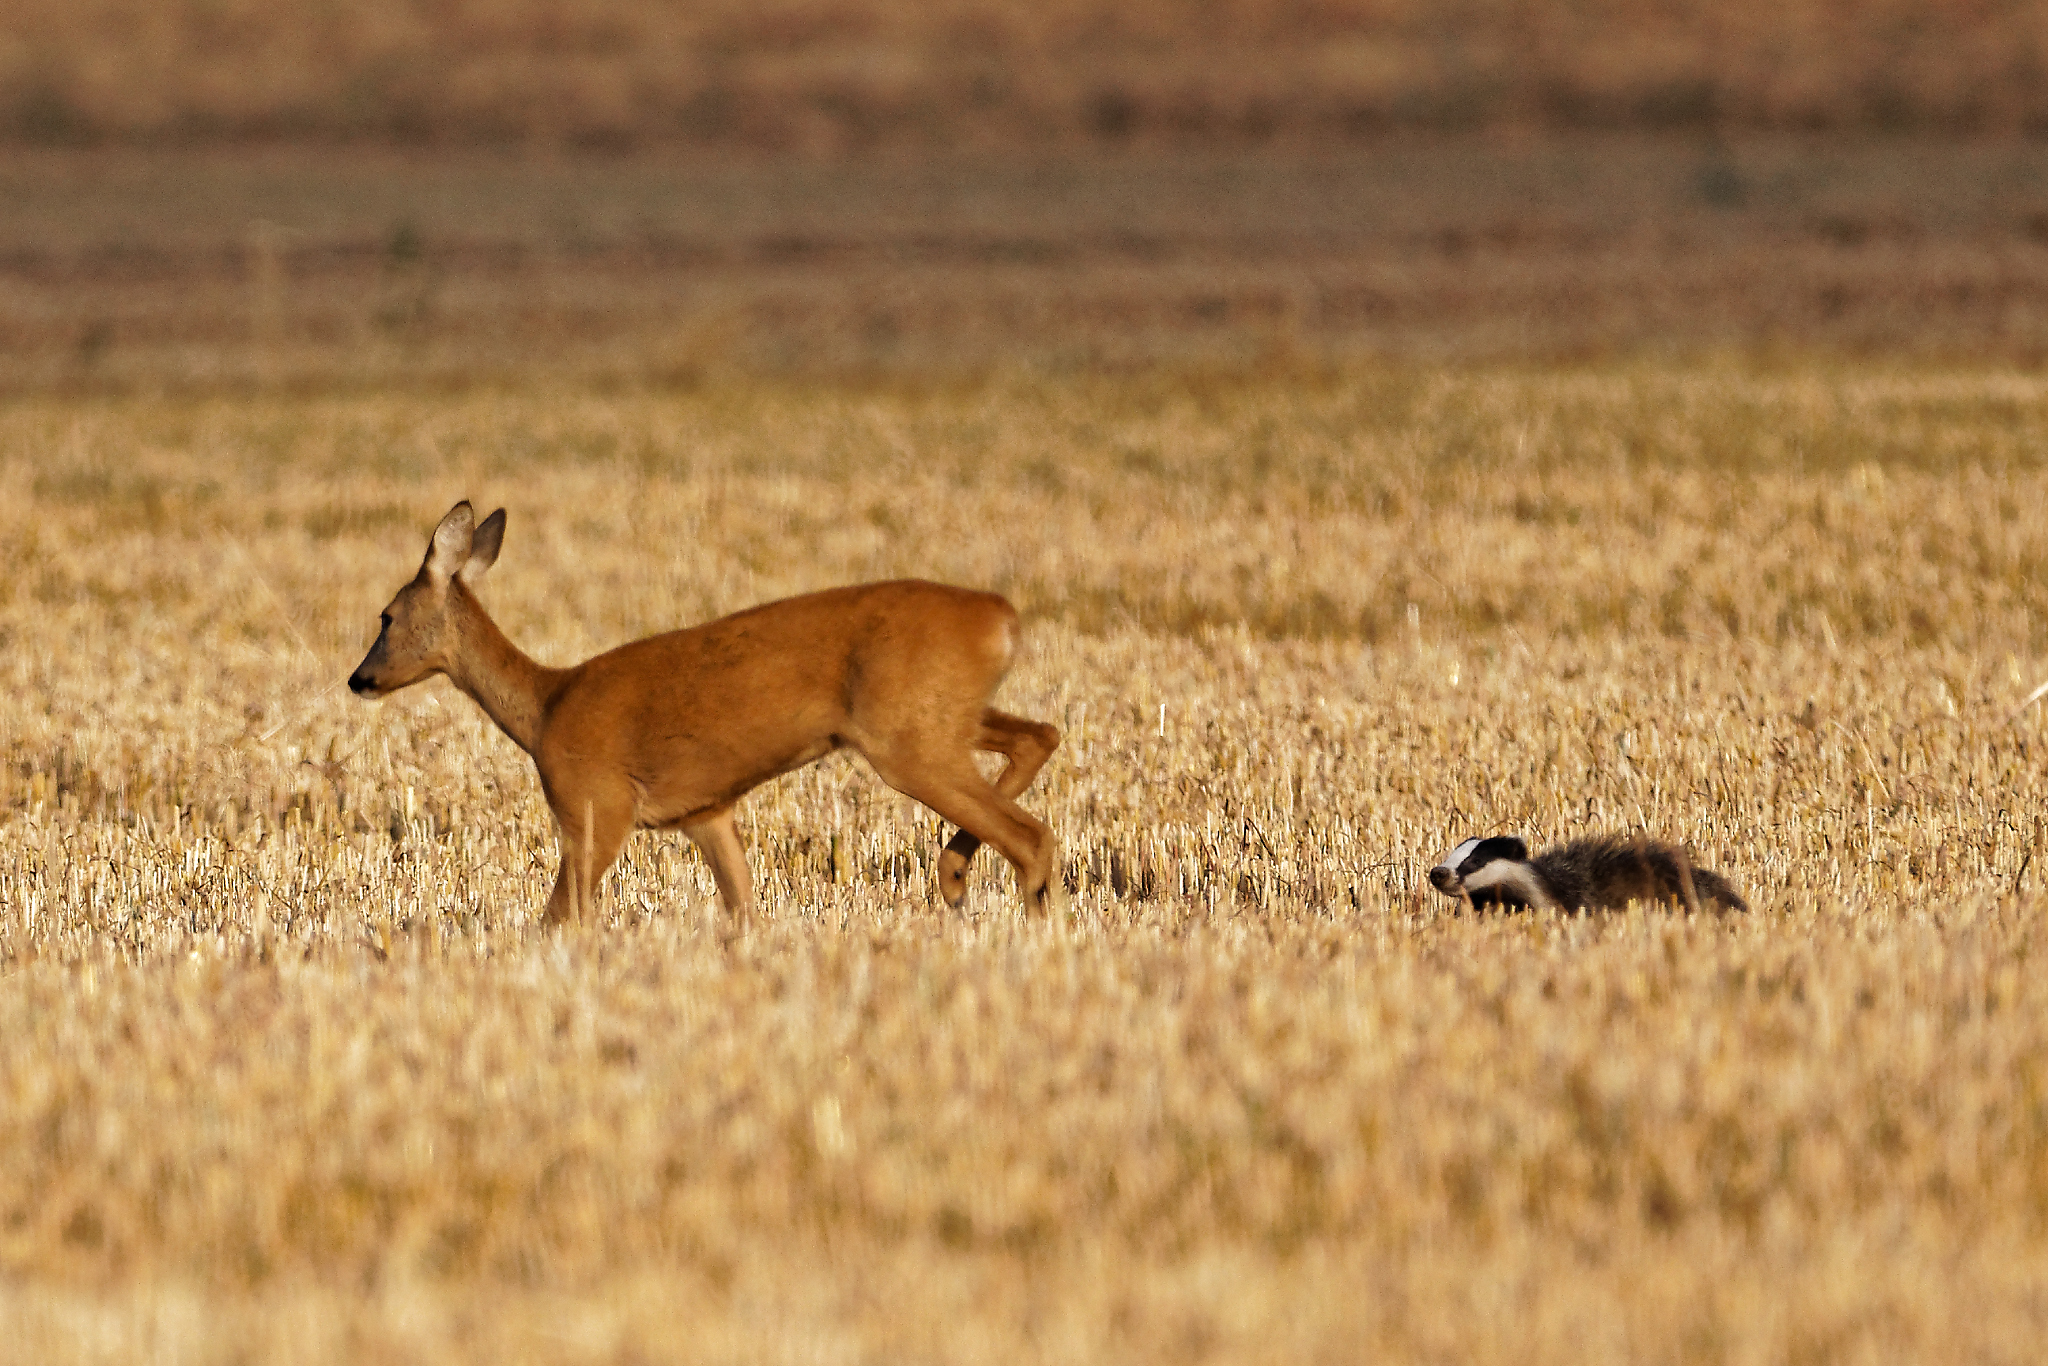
{"x":359,"y":683}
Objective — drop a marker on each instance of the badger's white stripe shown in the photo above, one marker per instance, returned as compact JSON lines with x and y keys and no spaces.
{"x":1518,"y":878}
{"x":1458,"y":855}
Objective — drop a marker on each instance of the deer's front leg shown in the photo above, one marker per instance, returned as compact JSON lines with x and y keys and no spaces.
{"x":718,"y":838}
{"x":593,"y":830}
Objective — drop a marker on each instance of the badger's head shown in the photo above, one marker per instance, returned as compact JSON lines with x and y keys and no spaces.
{"x":1489,"y":870}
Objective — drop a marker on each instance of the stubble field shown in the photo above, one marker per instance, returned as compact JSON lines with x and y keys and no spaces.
{"x":290,"y":1072}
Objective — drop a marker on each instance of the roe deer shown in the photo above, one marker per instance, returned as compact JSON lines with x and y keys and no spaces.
{"x":669,"y":732}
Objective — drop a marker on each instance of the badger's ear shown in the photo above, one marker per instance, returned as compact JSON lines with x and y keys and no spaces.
{"x":1501,"y":846}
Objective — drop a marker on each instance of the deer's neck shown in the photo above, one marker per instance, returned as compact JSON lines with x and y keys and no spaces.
{"x":512,"y":689}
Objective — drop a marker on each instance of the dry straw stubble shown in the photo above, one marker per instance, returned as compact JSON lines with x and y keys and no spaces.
{"x":290,"y":1070}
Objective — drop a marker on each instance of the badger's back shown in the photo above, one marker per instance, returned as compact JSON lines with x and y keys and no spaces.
{"x":1608,"y":870}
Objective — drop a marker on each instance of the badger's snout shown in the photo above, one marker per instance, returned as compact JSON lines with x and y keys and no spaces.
{"x":1444,"y":879}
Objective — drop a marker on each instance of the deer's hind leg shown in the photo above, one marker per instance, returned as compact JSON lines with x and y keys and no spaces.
{"x":1025,"y":746}
{"x":947,"y":781}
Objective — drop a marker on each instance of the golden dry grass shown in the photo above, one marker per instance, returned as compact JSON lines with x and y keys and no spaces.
{"x":290,"y":1073}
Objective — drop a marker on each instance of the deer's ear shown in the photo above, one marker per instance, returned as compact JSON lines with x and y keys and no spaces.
{"x":483,"y":548}
{"x":449,"y":550}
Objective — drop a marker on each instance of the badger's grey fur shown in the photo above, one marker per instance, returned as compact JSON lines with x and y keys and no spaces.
{"x":1587,"y":874}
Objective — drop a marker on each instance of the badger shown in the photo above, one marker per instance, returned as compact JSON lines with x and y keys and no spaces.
{"x":1586,"y":874}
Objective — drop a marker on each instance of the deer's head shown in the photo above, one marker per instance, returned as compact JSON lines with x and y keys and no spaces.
{"x":422,"y":625}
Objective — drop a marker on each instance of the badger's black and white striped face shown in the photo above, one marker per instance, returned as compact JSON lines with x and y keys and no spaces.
{"x":1492,"y":871}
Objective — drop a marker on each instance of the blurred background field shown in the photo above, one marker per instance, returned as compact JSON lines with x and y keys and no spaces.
{"x":846,"y":75}
{"x":1396,"y":423}
{"x":129,"y":269}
